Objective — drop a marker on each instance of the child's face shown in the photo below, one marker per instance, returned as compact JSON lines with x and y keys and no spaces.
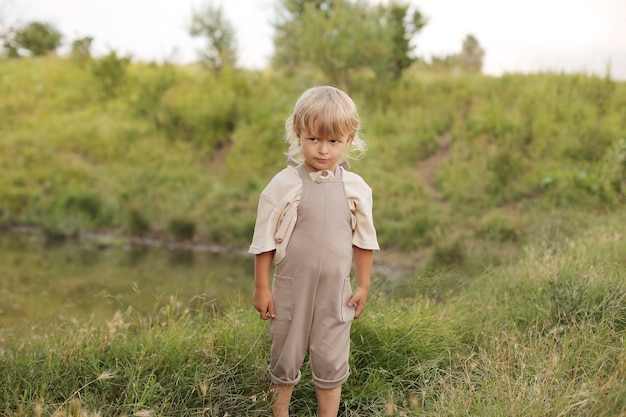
{"x":322,"y":153}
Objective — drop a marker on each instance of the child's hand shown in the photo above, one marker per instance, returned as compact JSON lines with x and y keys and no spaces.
{"x":263,"y":302}
{"x":358,"y":300}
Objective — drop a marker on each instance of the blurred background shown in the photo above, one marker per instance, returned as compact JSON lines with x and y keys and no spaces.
{"x":558,"y":35}
{"x":136,"y":136}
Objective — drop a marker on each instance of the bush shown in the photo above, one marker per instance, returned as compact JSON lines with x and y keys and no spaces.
{"x":137,"y":224}
{"x":500,"y":227}
{"x":38,"y":38}
{"x":150,"y":83}
{"x":110,"y":73}
{"x":81,"y":50}
{"x":182,"y":229}
{"x":203,"y":113}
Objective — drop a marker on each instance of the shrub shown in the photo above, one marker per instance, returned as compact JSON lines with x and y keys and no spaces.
{"x":447,"y":249}
{"x":500,"y":227}
{"x":81,"y":50}
{"x":39,"y":38}
{"x":137,"y":223}
{"x":204,"y":113}
{"x":182,"y":229}
{"x":150,"y":83}
{"x":110,"y":73}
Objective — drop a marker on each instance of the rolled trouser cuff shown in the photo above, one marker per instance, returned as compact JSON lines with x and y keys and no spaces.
{"x":278,"y":381}
{"x":330,"y":383}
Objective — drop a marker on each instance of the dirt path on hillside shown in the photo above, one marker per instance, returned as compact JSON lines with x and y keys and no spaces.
{"x":426,"y":168}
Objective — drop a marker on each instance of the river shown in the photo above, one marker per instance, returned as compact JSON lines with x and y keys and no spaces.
{"x":46,"y":284}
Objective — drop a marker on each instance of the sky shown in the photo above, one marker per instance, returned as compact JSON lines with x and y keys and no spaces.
{"x":518,"y":36}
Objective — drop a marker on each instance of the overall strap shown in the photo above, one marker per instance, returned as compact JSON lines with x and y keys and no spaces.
{"x":304,"y":174}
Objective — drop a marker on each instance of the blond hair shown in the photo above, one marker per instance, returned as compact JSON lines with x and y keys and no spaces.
{"x":324,"y":112}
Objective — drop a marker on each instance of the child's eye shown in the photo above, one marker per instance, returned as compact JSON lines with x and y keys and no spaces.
{"x":313,"y":139}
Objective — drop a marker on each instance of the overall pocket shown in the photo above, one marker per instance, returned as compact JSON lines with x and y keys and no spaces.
{"x":283,"y":297}
{"x":347,"y":312}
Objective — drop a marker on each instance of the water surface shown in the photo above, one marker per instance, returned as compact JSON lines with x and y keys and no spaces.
{"x":45,"y":283}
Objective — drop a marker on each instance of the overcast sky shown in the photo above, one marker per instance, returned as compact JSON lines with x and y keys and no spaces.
{"x":518,"y":36}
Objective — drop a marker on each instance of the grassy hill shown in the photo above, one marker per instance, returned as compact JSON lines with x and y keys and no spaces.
{"x":456,"y":163}
{"x":506,"y":194}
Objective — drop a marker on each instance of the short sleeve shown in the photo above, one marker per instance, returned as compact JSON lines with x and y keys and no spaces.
{"x":263,"y":238}
{"x":273,"y":221}
{"x":360,"y":201}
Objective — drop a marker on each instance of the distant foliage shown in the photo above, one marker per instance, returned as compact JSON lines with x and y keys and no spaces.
{"x":472,"y":54}
{"x":149,"y":87}
{"x":469,"y":60}
{"x":39,"y":38}
{"x":221,"y":49}
{"x":461,"y":167}
{"x":136,"y":223}
{"x":402,"y":24}
{"x":182,"y":229}
{"x":81,"y":49}
{"x":110,"y":72}
{"x":342,"y":38}
{"x":8,"y":42}
{"x":202,"y":111}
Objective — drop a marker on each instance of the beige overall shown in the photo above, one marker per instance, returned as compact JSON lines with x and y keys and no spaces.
{"x":311,"y":289}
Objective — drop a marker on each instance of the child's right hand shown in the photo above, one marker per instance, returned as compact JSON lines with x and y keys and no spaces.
{"x":263,"y":302}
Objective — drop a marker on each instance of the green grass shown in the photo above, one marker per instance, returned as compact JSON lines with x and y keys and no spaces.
{"x":177,"y":145}
{"x":543,"y":335}
{"x":506,"y":193}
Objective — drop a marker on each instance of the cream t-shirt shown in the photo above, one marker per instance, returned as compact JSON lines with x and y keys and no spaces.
{"x":278,"y":210}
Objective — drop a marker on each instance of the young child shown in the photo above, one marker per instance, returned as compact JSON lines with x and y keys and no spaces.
{"x":313,"y":220}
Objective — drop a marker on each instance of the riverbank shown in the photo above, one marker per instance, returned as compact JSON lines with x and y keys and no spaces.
{"x":390,"y":265}
{"x":49,"y":282}
{"x":543,"y":335}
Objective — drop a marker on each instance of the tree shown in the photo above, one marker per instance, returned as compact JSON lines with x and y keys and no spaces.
{"x":402,"y":23}
{"x":7,"y":34}
{"x":330,"y":39}
{"x":340,"y":37}
{"x":81,"y":49}
{"x":110,"y":72}
{"x":296,"y":7}
{"x":471,"y":57}
{"x":210,"y":22}
{"x":39,"y":38}
{"x":8,"y":42}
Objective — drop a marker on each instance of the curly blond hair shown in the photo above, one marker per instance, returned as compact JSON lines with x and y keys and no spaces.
{"x":324,"y":112}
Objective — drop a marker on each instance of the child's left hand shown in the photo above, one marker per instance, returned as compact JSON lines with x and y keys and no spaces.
{"x":358,"y":300}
